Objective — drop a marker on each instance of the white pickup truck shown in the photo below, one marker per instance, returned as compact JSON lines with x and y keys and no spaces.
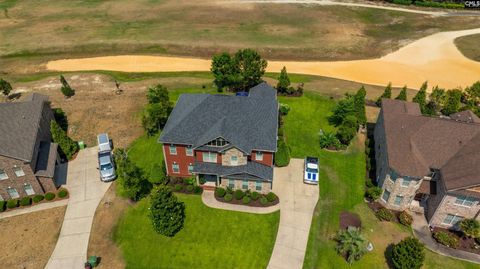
{"x":311,"y":170}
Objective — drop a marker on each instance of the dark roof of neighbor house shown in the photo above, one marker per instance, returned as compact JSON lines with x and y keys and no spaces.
{"x":416,"y":144}
{"x":247,"y":123}
{"x":252,"y":170}
{"x":19,"y":123}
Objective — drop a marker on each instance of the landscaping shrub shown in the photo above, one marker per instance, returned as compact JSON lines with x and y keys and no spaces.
{"x":271,"y":197}
{"x":229,"y":190}
{"x":62,"y":193}
{"x":384,"y":214}
{"x":405,"y":218}
{"x":446,"y":239}
{"x":167,"y":213}
{"x":220,"y":192}
{"x":284,"y":109}
{"x":197,"y":189}
{"x":12,"y":203}
{"x":255,"y":195}
{"x":2,"y":206}
{"x":408,"y":253}
{"x":246,"y":200}
{"x":189,"y":188}
{"x":38,"y":198}
{"x":439,"y":4}
{"x":178,"y":187}
{"x":351,"y":244}
{"x":25,"y":201}
{"x":470,"y":227}
{"x":239,"y":194}
{"x":402,"y":2}
{"x":49,"y":196}
{"x":329,"y":140}
{"x":228,"y":197}
{"x":373,"y":192}
{"x":282,"y":157}
{"x":67,"y":146}
{"x":263,"y":200}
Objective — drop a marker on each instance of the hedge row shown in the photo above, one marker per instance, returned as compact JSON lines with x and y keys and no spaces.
{"x":246,"y":196}
{"x":28,"y":200}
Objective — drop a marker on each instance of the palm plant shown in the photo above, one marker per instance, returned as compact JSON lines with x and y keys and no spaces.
{"x":351,"y":244}
{"x":470,"y":227}
{"x":328,"y":139}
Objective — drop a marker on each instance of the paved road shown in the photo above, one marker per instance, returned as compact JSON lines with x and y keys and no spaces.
{"x":86,"y":190}
{"x":297,"y":203}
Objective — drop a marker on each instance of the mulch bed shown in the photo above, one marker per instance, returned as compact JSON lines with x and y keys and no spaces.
{"x":252,"y":202}
{"x":349,"y":219}
{"x":465,"y":243}
{"x":184,"y":188}
{"x":375,"y":206}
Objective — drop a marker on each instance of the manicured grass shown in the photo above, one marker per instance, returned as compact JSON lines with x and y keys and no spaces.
{"x":211,"y":238}
{"x":145,"y":152}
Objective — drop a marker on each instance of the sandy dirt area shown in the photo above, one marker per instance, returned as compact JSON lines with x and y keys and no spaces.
{"x":27,"y":241}
{"x":434,"y":58}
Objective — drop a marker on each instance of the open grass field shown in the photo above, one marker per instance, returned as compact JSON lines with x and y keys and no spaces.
{"x":37,"y":30}
{"x":469,"y":46}
{"x":211,"y":238}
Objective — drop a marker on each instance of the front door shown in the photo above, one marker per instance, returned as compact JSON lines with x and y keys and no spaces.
{"x":210,"y":178}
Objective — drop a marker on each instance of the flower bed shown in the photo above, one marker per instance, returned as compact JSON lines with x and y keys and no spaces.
{"x":184,"y":185}
{"x":247,"y":198}
{"x":464,"y":243}
{"x":27,"y":201}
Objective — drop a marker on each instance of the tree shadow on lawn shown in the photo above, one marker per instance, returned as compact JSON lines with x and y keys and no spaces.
{"x":388,"y":256}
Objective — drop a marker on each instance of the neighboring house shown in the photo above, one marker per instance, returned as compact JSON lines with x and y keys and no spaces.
{"x":27,"y":157}
{"x":428,"y":163}
{"x":224,"y":140}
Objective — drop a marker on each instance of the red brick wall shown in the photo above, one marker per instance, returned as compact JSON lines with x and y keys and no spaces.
{"x":13,"y":181}
{"x":267,"y":158}
{"x":180,"y":158}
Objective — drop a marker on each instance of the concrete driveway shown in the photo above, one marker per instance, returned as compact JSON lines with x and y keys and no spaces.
{"x":297,"y":202}
{"x":86,"y":190}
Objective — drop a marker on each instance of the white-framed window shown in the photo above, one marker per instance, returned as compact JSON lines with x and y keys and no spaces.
{"x":209,"y":157}
{"x":231,"y":183}
{"x":464,"y":201}
{"x":259,"y":156}
{"x":258,"y":185}
{"x":451,"y":219}
{"x":245,"y":184}
{"x":398,"y":200}
{"x":386,"y":196}
{"x":3,"y":175}
{"x":190,"y":168}
{"x":175,"y":168}
{"x":12,"y":192}
{"x":18,"y":171}
{"x":173,"y":150}
{"x":233,"y":160}
{"x":189,"y":151}
{"x":28,"y":189}
{"x":406,"y":182}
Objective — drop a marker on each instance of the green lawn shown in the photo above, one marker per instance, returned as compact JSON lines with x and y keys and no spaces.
{"x":211,"y":238}
{"x":145,"y":152}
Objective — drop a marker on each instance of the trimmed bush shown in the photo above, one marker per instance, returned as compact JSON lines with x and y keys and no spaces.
{"x":229,"y":190}
{"x":255,"y":195}
{"x":246,"y":200}
{"x":470,"y":227}
{"x":38,"y":198}
{"x":2,"y":206}
{"x":197,"y":189}
{"x":405,"y":218}
{"x":284,"y":109}
{"x":26,"y":201}
{"x":446,"y":239}
{"x":282,"y":157}
{"x":178,"y":187}
{"x":373,"y":192}
{"x":384,"y":214}
{"x":189,"y":188}
{"x":49,"y":196}
{"x":12,"y":203}
{"x":263,"y":200}
{"x":271,"y":197}
{"x":239,"y":194}
{"x":408,"y":253}
{"x":62,"y":193}
{"x":228,"y":197}
{"x":220,"y":192}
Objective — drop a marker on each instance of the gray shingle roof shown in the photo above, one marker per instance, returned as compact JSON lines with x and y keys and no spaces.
{"x":257,"y":170}
{"x":248,"y":123}
{"x":19,"y":122}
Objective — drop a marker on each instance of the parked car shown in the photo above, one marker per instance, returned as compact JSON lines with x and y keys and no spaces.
{"x":311,"y":170}
{"x":105,"y":158}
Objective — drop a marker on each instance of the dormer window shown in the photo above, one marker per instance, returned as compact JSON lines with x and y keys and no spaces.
{"x":219,"y":142}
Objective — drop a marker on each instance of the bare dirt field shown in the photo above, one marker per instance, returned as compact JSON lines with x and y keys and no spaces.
{"x":27,"y":241}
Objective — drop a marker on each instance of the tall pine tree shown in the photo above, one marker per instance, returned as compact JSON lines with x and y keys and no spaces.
{"x":283,"y":81}
{"x":360,"y":105}
{"x":403,"y":94}
{"x":387,"y":93}
{"x":421,"y":97}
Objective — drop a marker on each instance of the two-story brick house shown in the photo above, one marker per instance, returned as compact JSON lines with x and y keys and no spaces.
{"x":27,"y":156}
{"x":224,"y":140}
{"x":428,"y":163}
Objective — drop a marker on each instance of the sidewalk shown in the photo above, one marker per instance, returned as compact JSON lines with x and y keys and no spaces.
{"x":422,"y":232}
{"x":34,"y":208}
{"x":208,"y":198}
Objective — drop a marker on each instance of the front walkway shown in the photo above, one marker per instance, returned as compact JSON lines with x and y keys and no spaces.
{"x":422,"y":232}
{"x":86,"y":190}
{"x":33,"y":208}
{"x":297,"y":203}
{"x":208,"y":198}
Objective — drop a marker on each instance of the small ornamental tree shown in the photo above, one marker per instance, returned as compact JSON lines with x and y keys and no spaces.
{"x":166,"y":212}
{"x":408,"y":254}
{"x":5,"y":87}
{"x":387,"y":93}
{"x":470,"y":227}
{"x":359,"y":100}
{"x":66,"y":89}
{"x":403,"y":94}
{"x":421,"y":97}
{"x":452,"y":102}
{"x":283,"y":84}
{"x":67,"y":146}
{"x":157,"y":110}
{"x":351,"y":244}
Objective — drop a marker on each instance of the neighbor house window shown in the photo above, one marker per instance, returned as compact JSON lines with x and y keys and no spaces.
{"x":190,"y":168}
{"x":245,"y":184}
{"x":18,"y":171}
{"x":406,"y":182}
{"x":385,"y":196}
{"x":398,"y":200}
{"x":209,"y":157}
{"x":259,"y":156}
{"x":175,"y":168}
{"x":464,"y":201}
{"x":173,"y":150}
{"x":13,"y":193}
{"x":28,"y":189}
{"x":231,"y":183}
{"x":452,"y":219}
{"x":3,"y":175}
{"x":189,"y":151}
{"x":258,"y":185}
{"x":234,"y":160}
